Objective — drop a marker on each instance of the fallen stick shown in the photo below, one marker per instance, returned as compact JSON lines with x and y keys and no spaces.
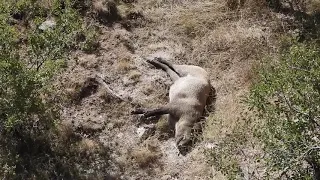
{"x":102,"y":81}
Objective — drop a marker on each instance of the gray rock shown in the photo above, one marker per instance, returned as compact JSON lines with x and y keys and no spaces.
{"x":141,"y":131}
{"x":48,"y":24}
{"x":145,"y":131}
{"x":210,"y":145}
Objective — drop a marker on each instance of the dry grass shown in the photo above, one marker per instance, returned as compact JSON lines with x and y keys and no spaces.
{"x":148,"y":90}
{"x":146,"y":156}
{"x":134,"y":75}
{"x":46,"y":3}
{"x":256,"y":6}
{"x":88,"y":146}
{"x":160,"y":94}
{"x":76,"y":91}
{"x":313,"y":6}
{"x":192,"y":22}
{"x":127,"y":8}
{"x":70,"y":139}
{"x":113,"y":107}
{"x":124,"y":65}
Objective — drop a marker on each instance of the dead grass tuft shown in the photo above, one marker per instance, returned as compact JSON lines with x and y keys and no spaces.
{"x":124,"y":65}
{"x":73,"y":153}
{"x":114,"y":107}
{"x":221,"y":37}
{"x":88,"y":146}
{"x":193,"y":22}
{"x":134,"y":75}
{"x":250,"y":5}
{"x":148,"y":90}
{"x":313,"y":6}
{"x":235,"y":4}
{"x":147,"y":156}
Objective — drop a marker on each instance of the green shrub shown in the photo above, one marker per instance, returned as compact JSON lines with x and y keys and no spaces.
{"x":29,"y":141}
{"x":286,"y":100}
{"x":25,"y":118}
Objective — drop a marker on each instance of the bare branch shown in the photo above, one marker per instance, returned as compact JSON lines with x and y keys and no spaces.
{"x":297,"y":160}
{"x":291,"y":107}
{"x":300,"y":69}
{"x":102,"y":81}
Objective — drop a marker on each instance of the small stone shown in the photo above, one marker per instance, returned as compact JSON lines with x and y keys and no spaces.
{"x":120,"y":135}
{"x":141,"y":131}
{"x":110,"y":125}
{"x":145,"y":131}
{"x":210,"y":145}
{"x":47,"y":24}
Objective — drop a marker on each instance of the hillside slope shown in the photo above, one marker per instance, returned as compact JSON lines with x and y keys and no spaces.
{"x":72,"y":71}
{"x":206,"y":33}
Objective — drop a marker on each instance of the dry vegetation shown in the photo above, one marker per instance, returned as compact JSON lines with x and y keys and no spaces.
{"x":146,"y":156}
{"x":227,"y":38}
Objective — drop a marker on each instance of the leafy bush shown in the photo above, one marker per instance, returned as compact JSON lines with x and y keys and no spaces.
{"x":29,"y":58}
{"x":24,"y":116}
{"x":286,"y":100}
